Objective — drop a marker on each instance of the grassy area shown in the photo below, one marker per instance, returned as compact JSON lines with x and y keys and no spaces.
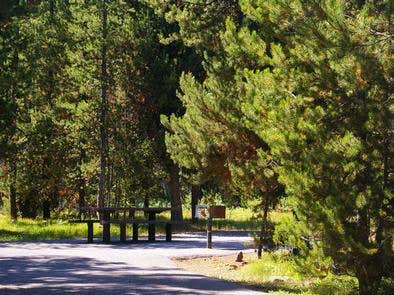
{"x":277,"y":272}
{"x":274,"y":273}
{"x":236,"y":219}
{"x":28,"y":229}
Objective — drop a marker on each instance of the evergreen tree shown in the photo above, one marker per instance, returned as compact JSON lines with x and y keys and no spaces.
{"x":11,"y":93}
{"x":327,"y":99}
{"x":212,"y":140}
{"x":301,"y":94}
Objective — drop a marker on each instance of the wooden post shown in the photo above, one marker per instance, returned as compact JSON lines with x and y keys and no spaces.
{"x":209,"y":231}
{"x":90,"y":232}
{"x":106,"y":228}
{"x":168,"y":232}
{"x":135,"y":232}
{"x":151,"y":226}
{"x":122,"y":231}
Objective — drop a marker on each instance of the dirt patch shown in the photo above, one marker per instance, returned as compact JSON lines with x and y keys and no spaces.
{"x":215,"y":266}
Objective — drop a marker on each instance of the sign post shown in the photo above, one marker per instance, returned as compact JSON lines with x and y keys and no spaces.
{"x":208,"y":213}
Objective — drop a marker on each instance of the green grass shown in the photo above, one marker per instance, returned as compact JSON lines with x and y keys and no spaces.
{"x":28,"y":229}
{"x":239,"y":219}
{"x":277,"y":274}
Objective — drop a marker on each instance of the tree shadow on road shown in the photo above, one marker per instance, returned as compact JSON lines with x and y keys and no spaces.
{"x":73,"y":275}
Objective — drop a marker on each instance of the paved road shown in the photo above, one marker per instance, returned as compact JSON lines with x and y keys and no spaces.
{"x":74,"y":267}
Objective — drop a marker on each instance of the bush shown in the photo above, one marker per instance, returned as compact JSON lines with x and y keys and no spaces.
{"x":310,"y":257}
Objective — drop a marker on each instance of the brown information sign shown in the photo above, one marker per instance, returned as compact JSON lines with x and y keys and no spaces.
{"x":218,"y":211}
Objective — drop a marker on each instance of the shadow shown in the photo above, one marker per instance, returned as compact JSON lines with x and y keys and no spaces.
{"x":6,"y":232}
{"x":75,"y":275}
{"x":221,"y":241}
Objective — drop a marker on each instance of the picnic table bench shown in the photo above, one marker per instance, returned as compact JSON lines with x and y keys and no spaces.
{"x":122,"y":222}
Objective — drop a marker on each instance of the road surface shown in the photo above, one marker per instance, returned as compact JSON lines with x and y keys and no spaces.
{"x":75,"y":267}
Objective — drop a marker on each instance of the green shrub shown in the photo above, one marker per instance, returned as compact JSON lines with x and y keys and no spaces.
{"x":310,"y":259}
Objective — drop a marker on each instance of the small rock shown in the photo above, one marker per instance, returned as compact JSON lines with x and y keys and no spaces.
{"x":240,"y":257}
{"x":232,"y":267}
{"x":278,"y":279}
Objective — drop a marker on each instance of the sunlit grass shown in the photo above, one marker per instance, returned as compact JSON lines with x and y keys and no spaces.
{"x":275,"y":273}
{"x":29,"y":229}
{"x":238,"y":219}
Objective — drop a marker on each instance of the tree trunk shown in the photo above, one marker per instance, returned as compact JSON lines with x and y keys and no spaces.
{"x":46,"y":209}
{"x":263,"y":231}
{"x":196,"y":196}
{"x":28,"y":205}
{"x":146,"y":202}
{"x":369,"y":277}
{"x":81,"y":192}
{"x":14,"y":212}
{"x":81,"y":182}
{"x":176,"y":202}
{"x":14,"y":152}
{"x":110,"y":170}
{"x":103,"y":110}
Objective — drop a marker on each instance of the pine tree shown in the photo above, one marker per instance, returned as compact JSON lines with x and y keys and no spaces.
{"x":11,"y":94}
{"x":212,"y":140}
{"x":299,"y":95}
{"x":326,"y":96}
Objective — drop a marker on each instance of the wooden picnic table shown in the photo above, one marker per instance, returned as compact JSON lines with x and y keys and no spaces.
{"x":107,"y":221}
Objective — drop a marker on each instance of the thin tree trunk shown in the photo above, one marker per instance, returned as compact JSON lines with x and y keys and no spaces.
{"x":13,"y":173}
{"x":103,"y":111}
{"x":46,"y":205}
{"x":176,"y":202}
{"x":81,"y":183}
{"x":263,"y":231}
{"x":46,"y":209}
{"x":14,"y":156}
{"x":196,"y":196}
{"x":81,"y":193}
{"x":110,"y":169}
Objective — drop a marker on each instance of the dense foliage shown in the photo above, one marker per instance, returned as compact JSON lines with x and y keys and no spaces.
{"x":63,"y":114}
{"x":299,"y":94}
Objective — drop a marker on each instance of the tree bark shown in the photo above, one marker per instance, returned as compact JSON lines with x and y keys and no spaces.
{"x":196,"y":196}
{"x":14,"y":212}
{"x":263,"y":231}
{"x":176,"y":202}
{"x":369,"y":276}
{"x":46,"y":209}
{"x":81,"y":183}
{"x":14,"y":152}
{"x":103,"y":110}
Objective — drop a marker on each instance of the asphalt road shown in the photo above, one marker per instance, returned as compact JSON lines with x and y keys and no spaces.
{"x":74,"y":267}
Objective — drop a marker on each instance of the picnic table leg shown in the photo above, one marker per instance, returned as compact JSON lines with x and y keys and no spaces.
{"x":90,"y":232}
{"x":135,"y":232}
{"x":151,"y":226}
{"x":123,"y":232}
{"x":168,"y":232}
